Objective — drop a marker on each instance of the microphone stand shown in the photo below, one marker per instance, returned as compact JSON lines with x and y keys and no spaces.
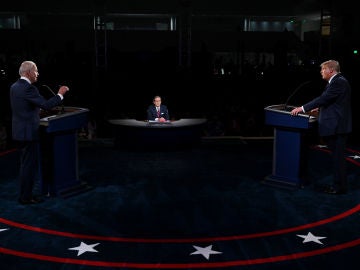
{"x":62,"y":111}
{"x":48,"y":88}
{"x":294,"y":92}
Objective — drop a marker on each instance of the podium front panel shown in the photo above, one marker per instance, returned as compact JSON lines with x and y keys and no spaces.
{"x":288,"y":144}
{"x":59,"y":130}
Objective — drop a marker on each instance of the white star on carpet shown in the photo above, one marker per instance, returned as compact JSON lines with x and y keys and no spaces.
{"x":355,"y":157}
{"x":311,"y":238}
{"x":3,"y":230}
{"x":84,"y":248}
{"x":205,"y":251}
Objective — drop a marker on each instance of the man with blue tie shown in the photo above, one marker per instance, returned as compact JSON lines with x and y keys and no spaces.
{"x":334,"y":121}
{"x":157,"y":111}
{"x":26,"y":102}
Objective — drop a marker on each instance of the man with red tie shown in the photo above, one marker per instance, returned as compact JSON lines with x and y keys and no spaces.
{"x":157,"y":111}
{"x":335,"y":120}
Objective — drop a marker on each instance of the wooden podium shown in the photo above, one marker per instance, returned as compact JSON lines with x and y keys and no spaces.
{"x":288,"y":144}
{"x":59,"y":139}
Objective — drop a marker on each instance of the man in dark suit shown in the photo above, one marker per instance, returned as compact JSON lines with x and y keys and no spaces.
{"x":334,"y":121}
{"x":157,"y":111}
{"x":26,"y":102}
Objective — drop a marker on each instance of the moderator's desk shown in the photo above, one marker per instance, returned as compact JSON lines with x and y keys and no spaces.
{"x":138,"y":134}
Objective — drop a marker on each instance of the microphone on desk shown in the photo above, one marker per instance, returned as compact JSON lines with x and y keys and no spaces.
{"x":52,"y":92}
{"x":294,"y":92}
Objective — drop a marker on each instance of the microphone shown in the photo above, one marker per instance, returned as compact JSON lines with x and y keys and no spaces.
{"x":48,"y":88}
{"x":294,"y":92}
{"x":52,"y":92}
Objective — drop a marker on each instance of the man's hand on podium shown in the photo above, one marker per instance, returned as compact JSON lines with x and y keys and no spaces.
{"x":296,"y":111}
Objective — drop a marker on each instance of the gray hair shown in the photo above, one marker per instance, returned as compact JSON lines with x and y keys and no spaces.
{"x":25,"y":67}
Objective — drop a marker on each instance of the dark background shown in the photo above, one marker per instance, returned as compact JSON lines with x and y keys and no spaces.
{"x":214,"y":189}
{"x":116,"y":55}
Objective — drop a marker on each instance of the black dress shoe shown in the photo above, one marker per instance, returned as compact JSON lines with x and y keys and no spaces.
{"x":37,"y":199}
{"x":31,"y":201}
{"x":21,"y":201}
{"x":332,"y":190}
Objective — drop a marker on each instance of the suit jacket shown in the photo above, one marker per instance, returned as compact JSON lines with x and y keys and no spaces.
{"x":152,"y":113}
{"x":26,"y":102}
{"x":335,"y":107}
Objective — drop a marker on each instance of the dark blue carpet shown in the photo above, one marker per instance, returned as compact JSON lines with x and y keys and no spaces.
{"x":204,"y":207}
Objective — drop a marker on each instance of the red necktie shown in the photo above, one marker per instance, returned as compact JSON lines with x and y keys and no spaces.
{"x":158,"y":112}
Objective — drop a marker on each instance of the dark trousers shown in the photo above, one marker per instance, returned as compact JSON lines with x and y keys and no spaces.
{"x":29,"y":168}
{"x":337,"y":145}
{"x":47,"y":163}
